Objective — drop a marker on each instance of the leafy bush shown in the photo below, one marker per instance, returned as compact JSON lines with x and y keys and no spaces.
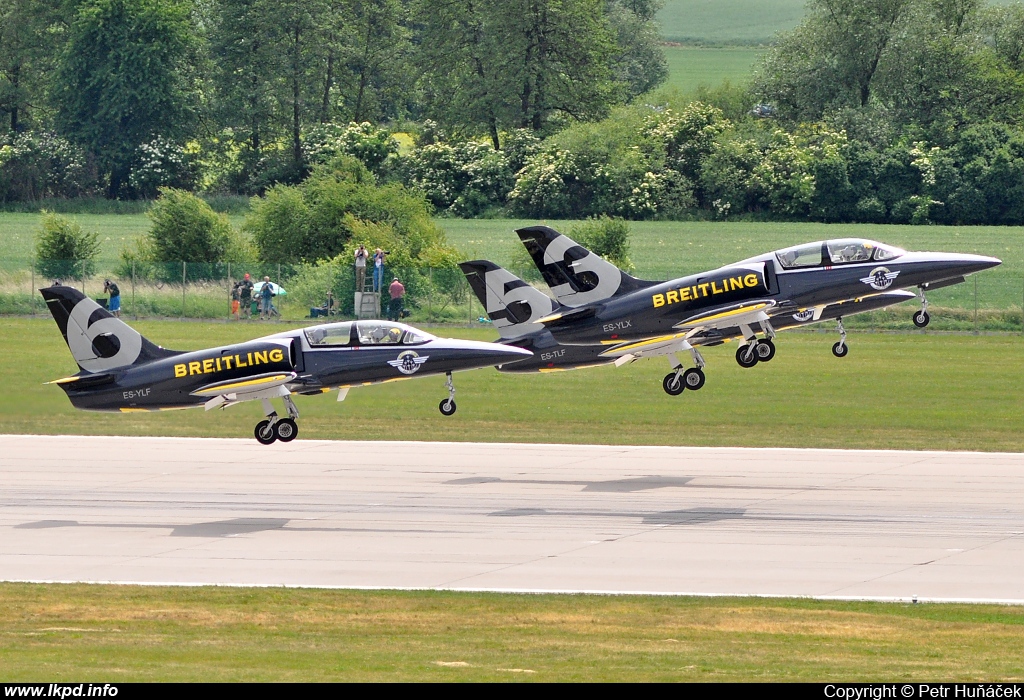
{"x":313,"y":221}
{"x":36,"y":165}
{"x":63,"y":249}
{"x":607,"y":237}
{"x":161,"y":163}
{"x":185,"y":228}
{"x":372,"y":146}
{"x":466,"y":178}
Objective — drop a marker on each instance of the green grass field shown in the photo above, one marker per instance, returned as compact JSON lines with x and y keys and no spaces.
{"x":128,"y":633}
{"x":689,"y":67}
{"x":900,"y":391}
{"x":728,"y":21}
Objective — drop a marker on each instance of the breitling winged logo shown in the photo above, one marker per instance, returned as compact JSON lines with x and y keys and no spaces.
{"x":880,"y":278}
{"x":408,"y":362}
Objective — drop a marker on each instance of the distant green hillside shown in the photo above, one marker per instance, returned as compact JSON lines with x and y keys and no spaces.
{"x":691,"y":66}
{"x":728,"y":21}
{"x":734,"y":21}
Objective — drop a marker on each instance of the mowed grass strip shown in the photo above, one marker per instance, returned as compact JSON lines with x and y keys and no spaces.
{"x":99,"y":633}
{"x":690,"y":67}
{"x":895,"y":391}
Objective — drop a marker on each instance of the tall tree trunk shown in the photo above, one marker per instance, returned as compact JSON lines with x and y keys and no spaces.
{"x":296,"y":124}
{"x":14,"y":76}
{"x":325,"y":104}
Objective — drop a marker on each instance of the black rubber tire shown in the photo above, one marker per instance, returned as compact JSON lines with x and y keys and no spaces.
{"x":264,"y":434}
{"x":286,"y":430}
{"x":673,"y":384}
{"x":447,"y":407}
{"x":921,"y":319}
{"x":765,"y":350}
{"x":741,"y":351}
{"x":840,"y":349}
{"x":693,"y":378}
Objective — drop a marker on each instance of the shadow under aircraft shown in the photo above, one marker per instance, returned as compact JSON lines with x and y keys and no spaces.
{"x":124,"y":372}
{"x":602,"y":315}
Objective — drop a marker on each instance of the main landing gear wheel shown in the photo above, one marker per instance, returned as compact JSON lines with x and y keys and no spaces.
{"x":765,"y":350}
{"x":265,"y":433}
{"x":693,"y":378}
{"x":921,"y":319}
{"x":447,"y":407}
{"x":673,"y":384}
{"x":286,"y":430}
{"x":743,"y":359}
{"x":840,"y":349}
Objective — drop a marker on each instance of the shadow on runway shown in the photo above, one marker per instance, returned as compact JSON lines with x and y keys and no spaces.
{"x":642,"y":483}
{"x":217,"y":528}
{"x":690,"y":516}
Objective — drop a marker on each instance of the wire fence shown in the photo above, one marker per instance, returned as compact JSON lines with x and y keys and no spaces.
{"x":991,"y":301}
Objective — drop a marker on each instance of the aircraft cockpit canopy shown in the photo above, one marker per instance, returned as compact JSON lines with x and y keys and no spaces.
{"x":365,"y":333}
{"x":841,"y":251}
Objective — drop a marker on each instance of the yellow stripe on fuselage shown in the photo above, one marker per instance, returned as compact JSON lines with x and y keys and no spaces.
{"x":727,"y":314}
{"x":225,"y":388}
{"x":652,"y":341}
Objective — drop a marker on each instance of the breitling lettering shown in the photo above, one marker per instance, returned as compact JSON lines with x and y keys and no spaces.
{"x":237,"y":361}
{"x":706,"y":289}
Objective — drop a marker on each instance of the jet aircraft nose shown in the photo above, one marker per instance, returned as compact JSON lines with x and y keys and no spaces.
{"x":963,"y":263}
{"x":480,"y":354}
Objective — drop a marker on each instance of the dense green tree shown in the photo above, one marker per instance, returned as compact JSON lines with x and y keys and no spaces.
{"x":26,"y":57}
{"x":492,"y":65}
{"x":639,"y":63}
{"x":124,"y":78}
{"x":63,"y":249}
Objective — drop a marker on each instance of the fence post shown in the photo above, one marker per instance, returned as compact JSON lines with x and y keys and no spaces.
{"x":32,"y":292}
{"x":183,"y":271}
{"x":975,"y":305}
{"x":430,"y":297}
{"x":280,"y":301}
{"x":135,"y":309}
{"x":83,"y":277}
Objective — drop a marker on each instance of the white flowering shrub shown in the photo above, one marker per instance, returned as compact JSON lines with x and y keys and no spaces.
{"x":549,"y":186}
{"x":325,"y":142}
{"x":38,"y":165}
{"x":464,"y":178}
{"x":162,"y":163}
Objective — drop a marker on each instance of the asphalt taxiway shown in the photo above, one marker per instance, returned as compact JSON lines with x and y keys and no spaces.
{"x":514,"y":517}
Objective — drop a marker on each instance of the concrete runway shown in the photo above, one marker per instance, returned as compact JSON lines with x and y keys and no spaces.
{"x":472,"y":516}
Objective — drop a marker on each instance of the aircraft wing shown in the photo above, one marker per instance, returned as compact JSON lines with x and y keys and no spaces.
{"x":743,"y":314}
{"x":232,"y":391}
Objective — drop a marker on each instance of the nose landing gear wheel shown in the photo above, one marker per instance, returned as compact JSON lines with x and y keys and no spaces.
{"x":265,"y":433}
{"x":840,"y":349}
{"x":447,"y":407}
{"x":741,"y":356}
{"x":673,"y":384}
{"x":921,"y":319}
{"x":286,"y":430}
{"x":765,"y":350}
{"x":693,"y":378}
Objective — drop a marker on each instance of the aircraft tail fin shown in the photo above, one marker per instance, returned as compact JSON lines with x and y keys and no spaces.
{"x":98,"y":341}
{"x":512,"y":304}
{"x":576,"y":276}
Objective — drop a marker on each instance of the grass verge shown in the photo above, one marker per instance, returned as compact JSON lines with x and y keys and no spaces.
{"x":131,"y":633}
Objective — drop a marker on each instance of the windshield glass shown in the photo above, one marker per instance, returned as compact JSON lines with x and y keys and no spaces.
{"x":807,"y":255}
{"x":884,"y":252}
{"x":331,"y":334}
{"x":849,"y":251}
{"x":389,"y":333}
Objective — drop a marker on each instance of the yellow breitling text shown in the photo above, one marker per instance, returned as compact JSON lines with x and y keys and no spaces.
{"x":705,"y":289}
{"x":217,"y":364}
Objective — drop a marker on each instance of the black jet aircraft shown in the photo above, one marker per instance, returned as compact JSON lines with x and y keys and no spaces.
{"x":602,"y":307}
{"x":124,"y":372}
{"x":515,"y":308}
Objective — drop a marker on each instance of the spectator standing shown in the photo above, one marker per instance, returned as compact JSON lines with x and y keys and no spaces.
{"x":266,"y":299}
{"x":397,"y":290}
{"x":236,"y":299}
{"x":361,"y":256}
{"x":378,"y":269}
{"x":114,"y":303}
{"x":245,"y":295}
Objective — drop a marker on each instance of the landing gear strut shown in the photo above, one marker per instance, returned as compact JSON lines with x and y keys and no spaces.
{"x":754,"y":350}
{"x":921,"y":318}
{"x":275,"y":428}
{"x":841,"y":349}
{"x":447,"y":406}
{"x":679,"y":379}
